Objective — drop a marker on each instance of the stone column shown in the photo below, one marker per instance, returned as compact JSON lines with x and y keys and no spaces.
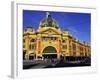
{"x":68,"y":50}
{"x":59,"y":48}
{"x":38,"y":47}
{"x":77,"y":49}
{"x":27,"y":43}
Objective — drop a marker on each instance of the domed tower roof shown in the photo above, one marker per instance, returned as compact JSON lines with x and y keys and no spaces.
{"x":67,"y":32}
{"x":29,"y":29}
{"x":48,"y":21}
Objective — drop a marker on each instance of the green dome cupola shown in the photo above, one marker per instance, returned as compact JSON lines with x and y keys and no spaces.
{"x":48,"y":22}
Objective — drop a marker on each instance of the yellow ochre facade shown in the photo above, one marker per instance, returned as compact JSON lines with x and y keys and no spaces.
{"x":49,"y":40}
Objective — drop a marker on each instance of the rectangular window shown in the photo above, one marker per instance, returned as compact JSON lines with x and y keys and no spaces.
{"x":23,"y":46}
{"x":24,"y":40}
{"x":63,"y":41}
{"x":33,"y":46}
{"x":30,"y":46}
{"x":64,"y":46}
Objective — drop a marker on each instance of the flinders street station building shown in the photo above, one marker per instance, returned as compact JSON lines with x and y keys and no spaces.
{"x":50,"y":42}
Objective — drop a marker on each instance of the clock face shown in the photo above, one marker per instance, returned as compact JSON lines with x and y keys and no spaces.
{"x":49,"y":21}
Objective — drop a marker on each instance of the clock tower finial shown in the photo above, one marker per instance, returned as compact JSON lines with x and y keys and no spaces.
{"x":47,"y":14}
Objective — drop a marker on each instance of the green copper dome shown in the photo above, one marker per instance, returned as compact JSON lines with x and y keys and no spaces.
{"x":48,"y":22}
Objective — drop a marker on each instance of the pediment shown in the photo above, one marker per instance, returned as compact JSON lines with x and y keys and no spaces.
{"x":50,"y":31}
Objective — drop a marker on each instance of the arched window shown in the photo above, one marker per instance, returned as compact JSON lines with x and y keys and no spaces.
{"x":49,"y":49}
{"x":32,"y":40}
{"x":24,"y":40}
{"x":74,"y":47}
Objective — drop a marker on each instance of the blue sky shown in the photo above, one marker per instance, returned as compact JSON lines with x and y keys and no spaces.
{"x":79,"y":24}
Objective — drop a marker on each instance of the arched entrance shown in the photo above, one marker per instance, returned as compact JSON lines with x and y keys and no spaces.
{"x":31,"y":56}
{"x":50,"y":52}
